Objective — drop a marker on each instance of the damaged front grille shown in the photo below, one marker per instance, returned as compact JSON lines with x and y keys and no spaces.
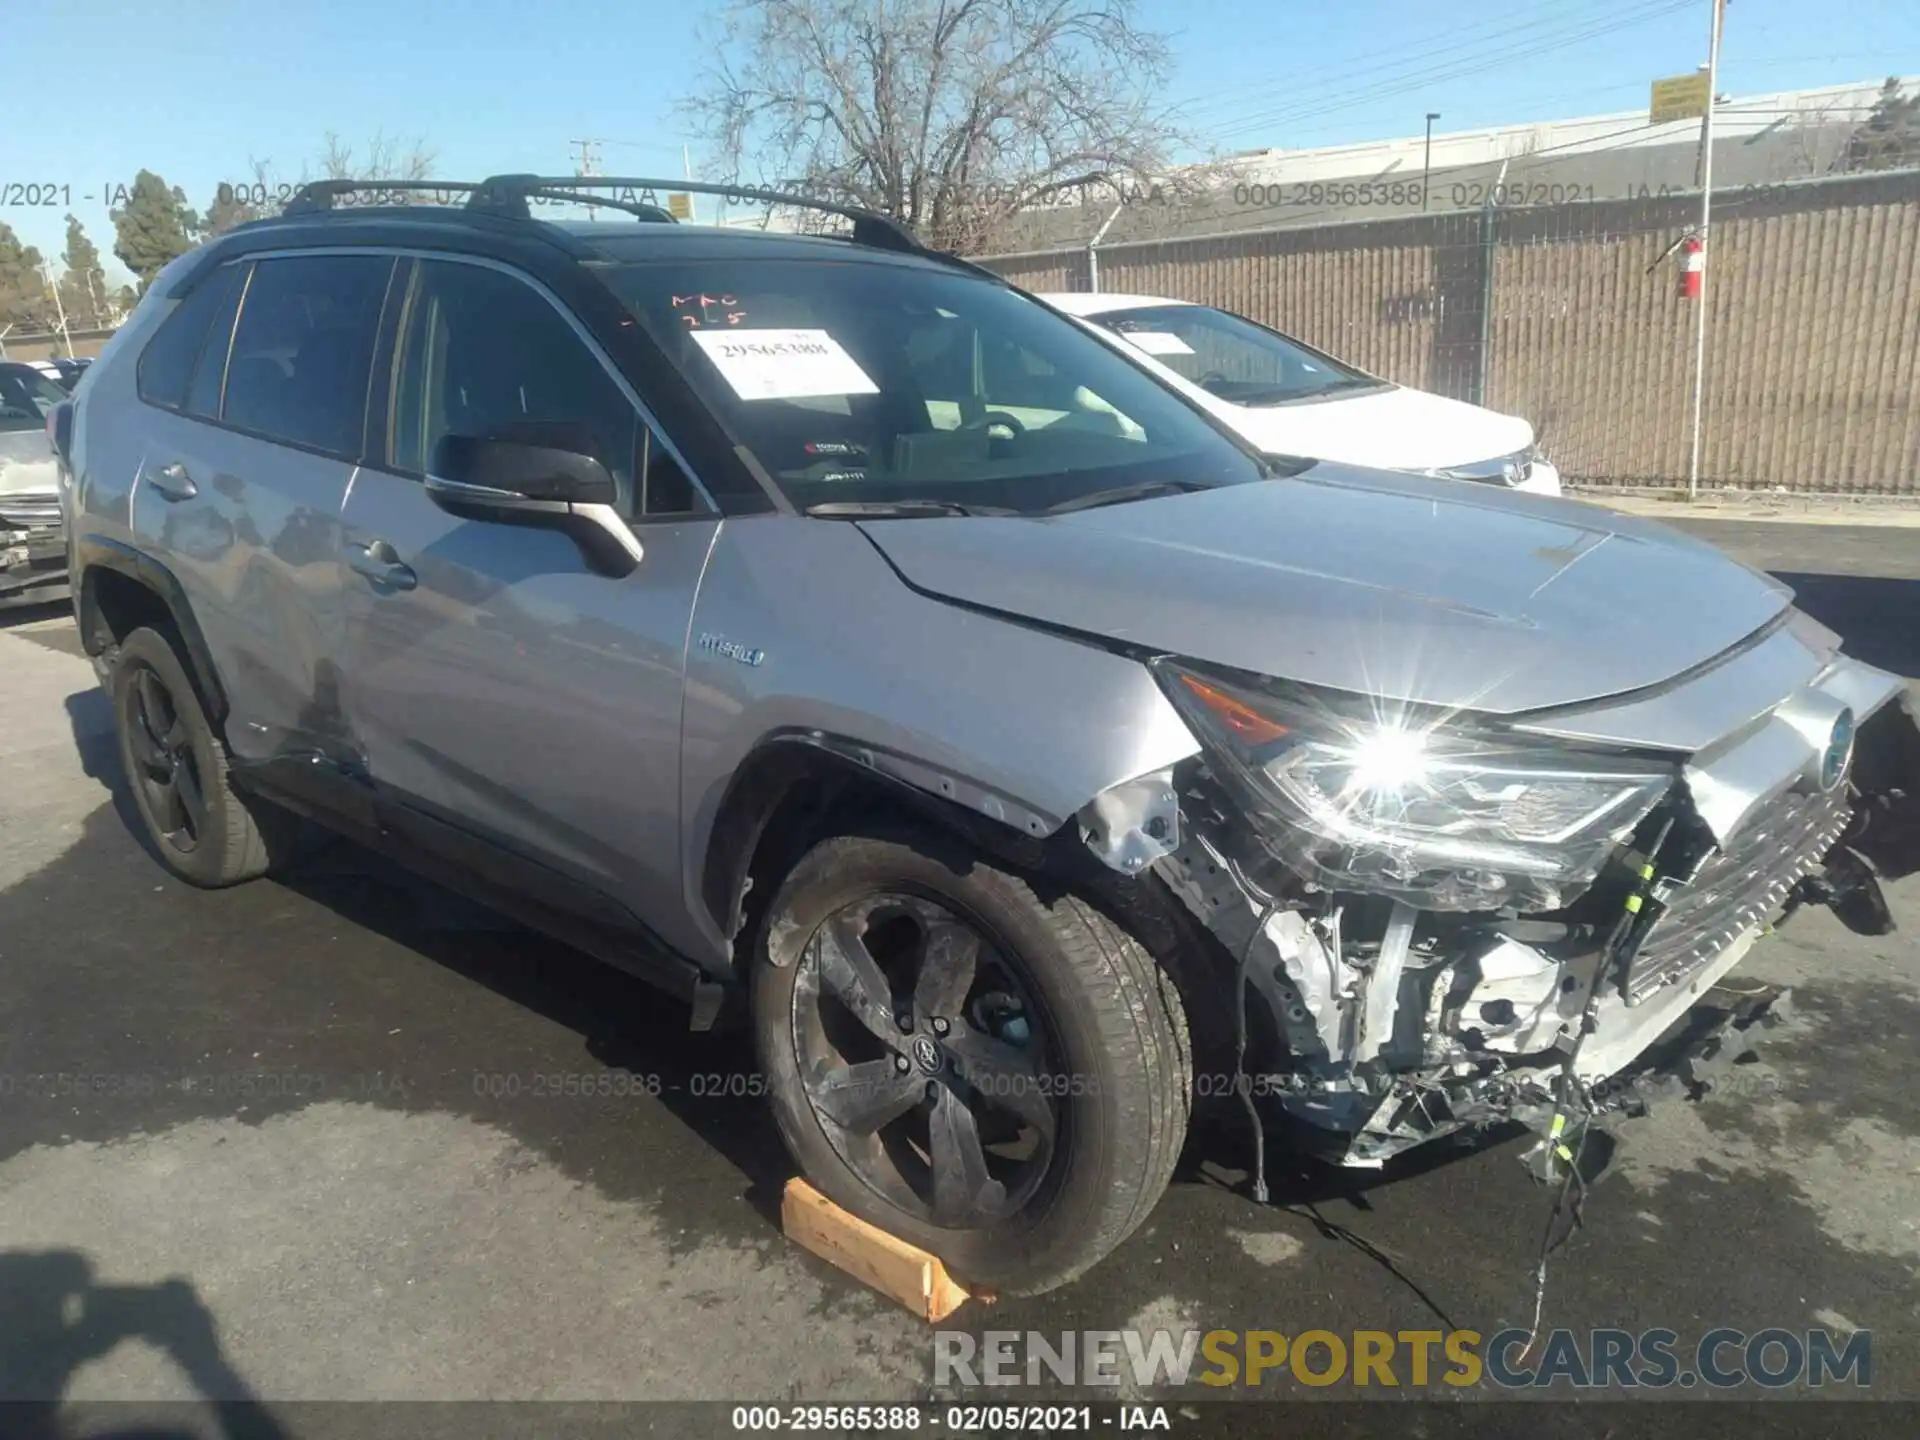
{"x":1738,"y":887}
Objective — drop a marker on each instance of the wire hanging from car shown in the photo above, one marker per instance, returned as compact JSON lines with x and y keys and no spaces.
{"x":1241,"y":1081}
{"x":1638,"y":912}
{"x":1240,"y":1078}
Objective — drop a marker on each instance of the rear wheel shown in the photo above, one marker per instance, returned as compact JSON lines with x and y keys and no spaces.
{"x":203,"y":830}
{"x":999,"y":1078}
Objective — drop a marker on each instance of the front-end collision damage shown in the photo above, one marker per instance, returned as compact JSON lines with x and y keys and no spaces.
{"x":1382,"y":1022}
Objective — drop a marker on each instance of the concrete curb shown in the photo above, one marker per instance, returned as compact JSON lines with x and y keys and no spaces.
{"x":1879,"y":510}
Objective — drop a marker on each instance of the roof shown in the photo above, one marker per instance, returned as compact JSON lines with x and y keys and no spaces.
{"x":1760,"y":141}
{"x":1079,"y":303}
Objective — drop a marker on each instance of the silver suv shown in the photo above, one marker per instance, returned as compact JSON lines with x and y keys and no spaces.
{"x":836,"y":636}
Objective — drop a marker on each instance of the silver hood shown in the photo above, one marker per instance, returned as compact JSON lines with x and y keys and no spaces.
{"x":1416,"y":590}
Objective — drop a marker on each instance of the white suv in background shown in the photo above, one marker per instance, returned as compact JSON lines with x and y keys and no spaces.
{"x":1290,"y":399}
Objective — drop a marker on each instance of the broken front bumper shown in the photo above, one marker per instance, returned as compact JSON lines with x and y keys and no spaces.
{"x":1381,"y":1039}
{"x":33,"y":565}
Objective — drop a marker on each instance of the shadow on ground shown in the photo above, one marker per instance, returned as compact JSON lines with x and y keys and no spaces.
{"x":1880,"y":618}
{"x":56,"y":1316}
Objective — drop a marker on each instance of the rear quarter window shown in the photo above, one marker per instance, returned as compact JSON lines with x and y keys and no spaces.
{"x":166,"y":365}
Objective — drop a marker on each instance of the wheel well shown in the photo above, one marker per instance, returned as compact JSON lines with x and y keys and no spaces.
{"x":114,"y":601}
{"x":113,"y":605}
{"x":788,"y":796}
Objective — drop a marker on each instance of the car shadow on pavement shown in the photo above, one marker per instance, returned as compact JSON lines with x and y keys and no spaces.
{"x":1879,"y":616}
{"x":706,"y":1080}
{"x":97,"y":744}
{"x":56,"y":1316}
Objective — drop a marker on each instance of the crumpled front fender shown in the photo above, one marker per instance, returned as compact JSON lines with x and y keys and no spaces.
{"x":1886,"y":778}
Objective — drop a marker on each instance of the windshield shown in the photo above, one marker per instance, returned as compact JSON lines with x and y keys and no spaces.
{"x":26,"y":398}
{"x":1241,"y":362}
{"x":862,"y":383}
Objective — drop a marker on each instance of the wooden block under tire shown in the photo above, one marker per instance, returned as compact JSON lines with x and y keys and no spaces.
{"x":904,"y":1273}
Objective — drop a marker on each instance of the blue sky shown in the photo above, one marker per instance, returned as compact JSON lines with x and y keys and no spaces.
{"x":98,"y":89}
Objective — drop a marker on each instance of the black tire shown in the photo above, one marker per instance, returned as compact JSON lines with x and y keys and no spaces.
{"x":1113,"y":1025}
{"x":227,"y":837}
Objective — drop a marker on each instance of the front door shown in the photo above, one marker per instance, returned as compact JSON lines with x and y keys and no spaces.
{"x":504,"y":693}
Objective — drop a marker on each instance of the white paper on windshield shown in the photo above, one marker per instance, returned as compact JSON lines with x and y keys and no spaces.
{"x":1157,"y":342}
{"x":783,"y":364}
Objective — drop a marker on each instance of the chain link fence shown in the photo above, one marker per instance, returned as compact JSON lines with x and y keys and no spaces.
{"x":1572,"y":315}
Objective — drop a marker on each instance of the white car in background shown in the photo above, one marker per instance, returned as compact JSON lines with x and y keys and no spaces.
{"x":1290,"y":399}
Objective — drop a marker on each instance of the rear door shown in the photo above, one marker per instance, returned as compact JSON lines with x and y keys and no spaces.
{"x":514,"y":704}
{"x":244,"y":475}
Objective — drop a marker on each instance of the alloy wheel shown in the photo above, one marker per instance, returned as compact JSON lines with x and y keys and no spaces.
{"x":166,"y":774}
{"x":926,"y":1060}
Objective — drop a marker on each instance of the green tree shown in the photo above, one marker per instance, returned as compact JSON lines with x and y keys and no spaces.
{"x":227,"y":211}
{"x":1889,"y":138}
{"x":155,"y":226}
{"x":83,"y":288}
{"x":121,"y":303}
{"x":24,"y":301}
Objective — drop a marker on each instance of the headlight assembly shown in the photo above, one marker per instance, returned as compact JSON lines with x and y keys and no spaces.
{"x":1508,"y":470}
{"x":1418,"y":810}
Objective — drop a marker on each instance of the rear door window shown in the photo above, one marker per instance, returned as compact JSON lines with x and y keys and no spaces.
{"x":303,"y":350}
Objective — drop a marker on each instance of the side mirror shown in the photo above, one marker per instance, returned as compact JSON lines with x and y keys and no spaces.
{"x":510,"y":482}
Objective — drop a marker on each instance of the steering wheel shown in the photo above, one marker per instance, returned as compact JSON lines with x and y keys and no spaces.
{"x":1210,"y":381}
{"x":998,"y":419}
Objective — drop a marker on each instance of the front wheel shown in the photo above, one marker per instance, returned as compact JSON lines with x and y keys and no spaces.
{"x":202,"y":829}
{"x":999,"y":1078}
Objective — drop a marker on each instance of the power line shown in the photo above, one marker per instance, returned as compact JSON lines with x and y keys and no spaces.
{"x":1502,"y":30}
{"x":1412,"y":81}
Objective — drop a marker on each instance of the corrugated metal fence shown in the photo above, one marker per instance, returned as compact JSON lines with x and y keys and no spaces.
{"x":1572,"y":316}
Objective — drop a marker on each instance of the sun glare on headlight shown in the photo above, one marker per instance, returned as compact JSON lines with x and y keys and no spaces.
{"x":1388,"y":761}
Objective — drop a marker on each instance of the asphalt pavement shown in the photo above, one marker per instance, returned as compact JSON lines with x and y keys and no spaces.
{"x":282,"y":1144}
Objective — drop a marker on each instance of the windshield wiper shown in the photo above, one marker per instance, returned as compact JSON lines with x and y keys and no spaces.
{"x":1120,"y":494}
{"x":894,"y":509}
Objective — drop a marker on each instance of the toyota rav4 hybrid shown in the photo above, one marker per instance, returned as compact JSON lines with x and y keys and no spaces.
{"x":840,"y":638}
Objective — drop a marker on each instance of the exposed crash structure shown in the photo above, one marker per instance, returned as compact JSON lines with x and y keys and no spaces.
{"x":1442,"y":921}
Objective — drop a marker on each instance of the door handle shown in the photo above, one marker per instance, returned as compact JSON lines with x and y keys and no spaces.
{"x":173,"y":482}
{"x":377,"y":560}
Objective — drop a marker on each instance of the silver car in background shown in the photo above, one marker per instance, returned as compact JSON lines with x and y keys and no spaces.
{"x":838,"y":637}
{"x":33,"y":547}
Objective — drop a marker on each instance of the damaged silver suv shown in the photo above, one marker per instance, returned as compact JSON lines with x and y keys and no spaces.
{"x":832,"y":634}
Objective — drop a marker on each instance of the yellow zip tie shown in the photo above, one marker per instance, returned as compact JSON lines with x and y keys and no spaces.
{"x":1633,"y":904}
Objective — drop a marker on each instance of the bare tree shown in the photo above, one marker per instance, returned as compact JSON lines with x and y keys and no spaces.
{"x":949,"y":115}
{"x":385,"y":158}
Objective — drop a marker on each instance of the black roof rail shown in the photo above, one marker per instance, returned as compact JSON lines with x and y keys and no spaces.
{"x":506,"y":197}
{"x":870,"y":227}
{"x":319,"y":195}
{"x":639,"y":209}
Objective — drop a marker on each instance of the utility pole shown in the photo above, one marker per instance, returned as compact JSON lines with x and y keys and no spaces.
{"x":1426,"y":165}
{"x":1719,"y":8}
{"x":59,"y":307}
{"x":587,"y":163}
